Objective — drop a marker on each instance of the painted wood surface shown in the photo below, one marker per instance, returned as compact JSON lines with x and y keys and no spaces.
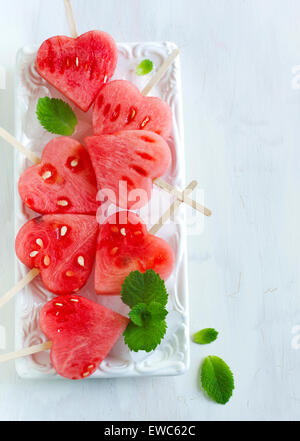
{"x":241,"y":112}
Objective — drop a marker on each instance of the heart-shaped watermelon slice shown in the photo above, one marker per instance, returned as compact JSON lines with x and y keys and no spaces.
{"x":63,"y":182}
{"x":124,"y":245}
{"x":79,"y":67}
{"x":62,"y":247}
{"x":121,"y":106}
{"x":82,"y":332}
{"x":126,"y":164}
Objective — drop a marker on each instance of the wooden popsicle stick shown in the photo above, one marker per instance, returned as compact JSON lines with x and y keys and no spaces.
{"x":19,"y":286}
{"x":71,"y":19}
{"x":159,"y":182}
{"x":171,"y":210}
{"x":161,"y":72}
{"x":25,"y":352}
{"x":46,"y":346}
{"x":178,"y":194}
{"x":15,"y":143}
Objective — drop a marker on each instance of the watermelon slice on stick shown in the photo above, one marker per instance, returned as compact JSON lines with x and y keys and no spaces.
{"x":62,"y":247}
{"x":124,"y":245}
{"x":63,"y":182}
{"x":82,"y":332}
{"x":132,"y":158}
{"x":121,"y":106}
{"x":79,"y":67}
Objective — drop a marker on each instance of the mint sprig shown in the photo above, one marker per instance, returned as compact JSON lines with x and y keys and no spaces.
{"x":205,"y":336}
{"x":144,"y":288}
{"x":147,"y":296}
{"x":56,"y":116}
{"x":145,"y":67}
{"x":217,"y":379}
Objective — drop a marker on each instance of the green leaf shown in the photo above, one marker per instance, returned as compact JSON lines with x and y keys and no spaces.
{"x":217,"y":379}
{"x":144,"y":315}
{"x":145,"y":338}
{"x":205,"y":336}
{"x":145,"y":287}
{"x":145,"y":67}
{"x":56,"y":116}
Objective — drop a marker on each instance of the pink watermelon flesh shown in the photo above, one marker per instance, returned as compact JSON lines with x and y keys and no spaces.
{"x":132,"y":157}
{"x":121,"y":106}
{"x":124,"y":245}
{"x":64,"y":181}
{"x":62,"y":247}
{"x":79,"y":67}
{"x":82,"y":332}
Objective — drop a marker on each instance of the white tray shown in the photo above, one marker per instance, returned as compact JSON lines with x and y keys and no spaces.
{"x":172,"y":356}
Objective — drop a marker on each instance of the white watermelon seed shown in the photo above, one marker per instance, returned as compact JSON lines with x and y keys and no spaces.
{"x":77,"y":61}
{"x":46,"y":260}
{"x":123,"y":231}
{"x":80,"y":260}
{"x":105,"y":79}
{"x":86,"y":374}
{"x":33,"y":253}
{"x":63,"y":231}
{"x":47,"y":175}
{"x":146,"y":120}
{"x":74,"y":300}
{"x":74,"y":163}
{"x":63,"y":203}
{"x":39,"y":242}
{"x":59,"y":304}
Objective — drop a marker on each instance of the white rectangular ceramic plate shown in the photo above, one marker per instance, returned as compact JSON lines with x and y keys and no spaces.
{"x":172,"y":356}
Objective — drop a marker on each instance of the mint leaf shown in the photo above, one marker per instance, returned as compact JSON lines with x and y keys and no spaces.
{"x":145,"y":287}
{"x":205,"y":336}
{"x":56,"y":116}
{"x":144,"y":315}
{"x":137,"y":314}
{"x":145,"y":67}
{"x":145,"y":338}
{"x":217,"y":379}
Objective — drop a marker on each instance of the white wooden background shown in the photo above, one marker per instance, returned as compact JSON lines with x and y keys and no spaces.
{"x":242,"y":124}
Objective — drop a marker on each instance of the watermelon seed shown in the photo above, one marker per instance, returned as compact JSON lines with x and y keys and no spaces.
{"x":46,"y":260}
{"x":86,"y":66}
{"x":47,"y":175}
{"x":114,"y":251}
{"x":68,"y":62}
{"x":59,"y":304}
{"x":40,"y":243}
{"x":74,"y":163}
{"x":77,"y":61}
{"x":80,"y":261}
{"x":105,"y":79}
{"x":86,"y":374}
{"x":63,"y":203}
{"x":70,"y":274}
{"x":115,"y":229}
{"x":123,"y":231}
{"x":34,"y":253}
{"x":74,"y":300}
{"x":63,"y":231}
{"x":145,"y":122}
{"x":91,"y":366}
{"x":57,"y":314}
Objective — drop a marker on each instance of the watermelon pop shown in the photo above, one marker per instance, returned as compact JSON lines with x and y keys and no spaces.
{"x":79,"y":67}
{"x":63,"y":182}
{"x":62,"y":247}
{"x":82,"y":332}
{"x":133,"y":157}
{"x":121,"y":106}
{"x":124,"y":245}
